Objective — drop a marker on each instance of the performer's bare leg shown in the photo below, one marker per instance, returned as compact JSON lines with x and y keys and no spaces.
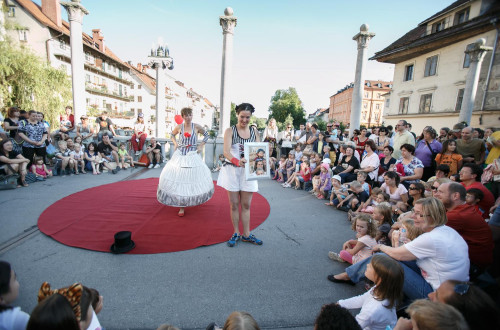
{"x":245,"y":201}
{"x":234,"y":201}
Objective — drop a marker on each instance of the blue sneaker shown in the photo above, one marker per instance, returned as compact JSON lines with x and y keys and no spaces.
{"x":251,"y":239}
{"x":232,"y":241}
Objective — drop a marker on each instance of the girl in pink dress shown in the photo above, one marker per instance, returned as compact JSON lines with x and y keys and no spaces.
{"x":40,"y":169}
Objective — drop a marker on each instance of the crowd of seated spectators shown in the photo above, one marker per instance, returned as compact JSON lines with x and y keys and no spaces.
{"x":32,"y":152}
{"x":427,"y":202}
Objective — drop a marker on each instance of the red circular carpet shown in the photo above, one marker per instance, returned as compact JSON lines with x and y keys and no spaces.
{"x":90,"y":218}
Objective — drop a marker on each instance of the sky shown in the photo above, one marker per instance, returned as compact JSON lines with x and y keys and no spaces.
{"x":277,"y":43}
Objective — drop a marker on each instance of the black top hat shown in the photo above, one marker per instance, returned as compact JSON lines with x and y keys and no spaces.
{"x":123,"y":242}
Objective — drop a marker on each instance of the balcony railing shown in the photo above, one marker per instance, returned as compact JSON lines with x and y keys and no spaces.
{"x":103,"y":91}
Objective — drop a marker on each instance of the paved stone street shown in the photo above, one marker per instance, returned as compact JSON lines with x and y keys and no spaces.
{"x":282,"y":283}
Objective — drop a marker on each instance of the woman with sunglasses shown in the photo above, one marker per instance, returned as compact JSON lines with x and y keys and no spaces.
{"x":438,"y":255}
{"x":427,"y":149}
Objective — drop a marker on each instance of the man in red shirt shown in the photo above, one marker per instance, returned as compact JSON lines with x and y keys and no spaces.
{"x":470,"y":176}
{"x":468,"y":223}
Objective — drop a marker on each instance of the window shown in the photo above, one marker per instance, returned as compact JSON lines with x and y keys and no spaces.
{"x":104,"y":103}
{"x":467,"y":56}
{"x":365,"y":105}
{"x":62,"y":44}
{"x":139,"y":86}
{"x":403,"y":105}
{"x":377,"y":116}
{"x":364,"y":115}
{"x":460,"y":98}
{"x":366,"y":95}
{"x":87,"y":78}
{"x":88,"y":57}
{"x":139,"y":98}
{"x":387,"y":102}
{"x":425,"y":103}
{"x":23,"y":35}
{"x":408,"y":73}
{"x":103,"y":67}
{"x":461,"y":16}
{"x":431,"y":66}
{"x":12,"y":11}
{"x":377,"y":106}
{"x":438,"y":26}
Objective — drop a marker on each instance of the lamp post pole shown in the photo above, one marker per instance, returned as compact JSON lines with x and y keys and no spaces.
{"x":362,"y":38}
{"x":228,"y":23}
{"x":160,"y":60}
{"x":75,"y":15}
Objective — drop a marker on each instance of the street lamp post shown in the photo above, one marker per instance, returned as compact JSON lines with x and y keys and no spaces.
{"x":160,"y":60}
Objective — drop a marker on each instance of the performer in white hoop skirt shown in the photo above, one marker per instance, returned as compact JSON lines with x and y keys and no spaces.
{"x":185,"y":179}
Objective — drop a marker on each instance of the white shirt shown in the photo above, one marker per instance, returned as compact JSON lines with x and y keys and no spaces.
{"x":14,"y":319}
{"x":373,"y":315}
{"x":372,"y":161}
{"x":442,"y":254}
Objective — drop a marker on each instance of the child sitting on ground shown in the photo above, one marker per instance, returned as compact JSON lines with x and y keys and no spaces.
{"x":78,"y":156}
{"x":299,"y":173}
{"x":371,"y":202}
{"x":219,"y":163}
{"x":92,"y":158}
{"x":382,"y":214}
{"x":378,"y":305}
{"x":40,"y":169}
{"x":410,"y":231}
{"x":325,"y":183}
{"x":281,"y":168}
{"x":358,"y":249}
{"x":473,"y":197}
{"x":290,"y":164}
{"x":338,"y":191}
{"x":64,"y":158}
{"x":352,"y":201}
{"x":361,"y":178}
{"x":124,"y":156}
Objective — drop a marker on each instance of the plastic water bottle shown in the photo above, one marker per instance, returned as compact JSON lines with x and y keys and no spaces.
{"x":402,"y":236}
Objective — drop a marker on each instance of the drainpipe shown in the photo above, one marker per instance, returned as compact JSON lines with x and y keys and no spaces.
{"x":47,"y":46}
{"x":494,"y":22}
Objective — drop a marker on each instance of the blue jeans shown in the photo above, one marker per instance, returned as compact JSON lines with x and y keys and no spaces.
{"x":495,"y":219}
{"x":415,"y":287}
{"x":348,"y":177}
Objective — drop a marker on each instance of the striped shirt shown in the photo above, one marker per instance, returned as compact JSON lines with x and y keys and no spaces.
{"x":187,"y":144}
{"x":238,"y":141}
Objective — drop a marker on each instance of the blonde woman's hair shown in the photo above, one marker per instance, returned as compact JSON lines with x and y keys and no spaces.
{"x":372,"y":229}
{"x":240,"y":321}
{"x":430,"y":315}
{"x":412,"y":232}
{"x":433,"y":210}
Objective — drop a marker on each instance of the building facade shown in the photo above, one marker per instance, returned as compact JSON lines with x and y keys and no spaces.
{"x":373,"y":103}
{"x":111,"y":85}
{"x":431,"y":68}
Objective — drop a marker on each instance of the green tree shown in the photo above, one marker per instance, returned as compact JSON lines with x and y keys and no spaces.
{"x":321,"y":123}
{"x":284,"y":103}
{"x":260,"y":122}
{"x":28,"y":82}
{"x":234,"y":118}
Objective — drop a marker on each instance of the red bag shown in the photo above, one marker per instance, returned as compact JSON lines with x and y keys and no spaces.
{"x":400,"y":169}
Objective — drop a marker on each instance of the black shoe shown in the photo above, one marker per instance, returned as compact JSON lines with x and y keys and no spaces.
{"x":335,"y":280}
{"x":114,"y":171}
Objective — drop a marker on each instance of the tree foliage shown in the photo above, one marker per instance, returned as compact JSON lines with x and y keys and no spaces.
{"x":30,"y":83}
{"x":321,"y":123}
{"x":234,"y":118}
{"x":260,"y":122}
{"x":284,"y":103}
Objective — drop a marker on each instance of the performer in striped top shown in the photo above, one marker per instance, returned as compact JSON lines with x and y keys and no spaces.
{"x":186,"y":179}
{"x":232,"y":175}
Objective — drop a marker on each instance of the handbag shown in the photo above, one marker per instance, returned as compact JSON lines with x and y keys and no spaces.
{"x":8,"y":181}
{"x":433,"y":156}
{"x":308,"y":150}
{"x":488,"y":176}
{"x":51,"y":150}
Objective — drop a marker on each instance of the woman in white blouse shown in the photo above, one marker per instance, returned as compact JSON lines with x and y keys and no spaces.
{"x":271,"y":135}
{"x":370,"y":161}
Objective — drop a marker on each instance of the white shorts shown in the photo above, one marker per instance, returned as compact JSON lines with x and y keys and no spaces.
{"x":232,"y":178}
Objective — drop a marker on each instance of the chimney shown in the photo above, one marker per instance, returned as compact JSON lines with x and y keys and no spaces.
{"x":98,"y":39}
{"x":139,"y":67}
{"x":52,"y":9}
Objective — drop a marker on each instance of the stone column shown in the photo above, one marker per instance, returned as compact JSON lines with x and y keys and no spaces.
{"x":228,"y":23}
{"x":362,"y":38}
{"x":75,"y":14}
{"x":160,"y":60}
{"x":476,"y":52}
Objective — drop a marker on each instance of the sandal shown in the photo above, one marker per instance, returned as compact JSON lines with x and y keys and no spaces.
{"x":24,"y":184}
{"x":329,"y":203}
{"x":181,"y":213}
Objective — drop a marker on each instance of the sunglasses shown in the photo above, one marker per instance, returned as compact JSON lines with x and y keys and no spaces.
{"x":412,"y":188}
{"x":461,"y":288}
{"x":433,"y":188}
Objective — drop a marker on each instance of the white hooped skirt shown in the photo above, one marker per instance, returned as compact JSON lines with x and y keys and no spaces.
{"x":185,"y":181}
